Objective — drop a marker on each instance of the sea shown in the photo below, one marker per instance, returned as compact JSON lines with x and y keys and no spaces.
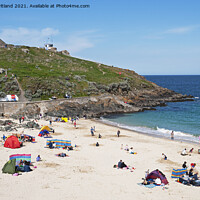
{"x":181,"y":117}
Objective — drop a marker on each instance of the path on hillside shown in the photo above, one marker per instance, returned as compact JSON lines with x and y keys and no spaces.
{"x":100,"y":68}
{"x":22,"y":97}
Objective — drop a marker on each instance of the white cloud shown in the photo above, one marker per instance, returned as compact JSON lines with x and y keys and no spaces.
{"x":180,"y":30}
{"x":25,"y":36}
{"x":79,"y":41}
{"x":75,"y":42}
{"x":175,"y":31}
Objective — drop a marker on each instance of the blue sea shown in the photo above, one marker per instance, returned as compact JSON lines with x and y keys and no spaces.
{"x":181,"y":117}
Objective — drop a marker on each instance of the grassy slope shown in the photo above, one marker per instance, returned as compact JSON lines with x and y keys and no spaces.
{"x":41,"y":69}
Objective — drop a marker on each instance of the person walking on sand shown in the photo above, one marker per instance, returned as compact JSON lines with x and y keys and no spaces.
{"x":118,"y":133}
{"x":172,"y":135}
{"x":92,"y":131}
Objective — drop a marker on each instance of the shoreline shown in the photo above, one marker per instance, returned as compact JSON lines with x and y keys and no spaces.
{"x":147,"y":134}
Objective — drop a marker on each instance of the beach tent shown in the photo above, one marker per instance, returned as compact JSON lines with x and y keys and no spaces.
{"x":12,"y":142}
{"x":157,"y":174}
{"x":9,"y":167}
{"x":19,"y":157}
{"x":43,"y":132}
{"x":64,"y":119}
{"x":59,"y":143}
{"x":176,"y":173}
{"x":45,"y":128}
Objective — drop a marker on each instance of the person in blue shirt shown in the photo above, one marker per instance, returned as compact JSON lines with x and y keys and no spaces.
{"x":38,"y":158}
{"x":4,"y":137}
{"x":27,"y":167}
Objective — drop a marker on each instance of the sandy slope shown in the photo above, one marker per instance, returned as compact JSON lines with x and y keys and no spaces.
{"x":88,"y":172}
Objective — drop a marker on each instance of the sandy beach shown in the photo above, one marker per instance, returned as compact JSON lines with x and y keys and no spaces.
{"x":88,"y":172}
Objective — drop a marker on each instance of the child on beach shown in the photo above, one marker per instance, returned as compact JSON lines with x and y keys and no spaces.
{"x":38,"y":158}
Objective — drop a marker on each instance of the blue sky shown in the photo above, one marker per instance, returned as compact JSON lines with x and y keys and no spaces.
{"x":147,"y":36}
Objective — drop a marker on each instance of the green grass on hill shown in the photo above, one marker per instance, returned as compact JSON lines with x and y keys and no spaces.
{"x":47,"y":71}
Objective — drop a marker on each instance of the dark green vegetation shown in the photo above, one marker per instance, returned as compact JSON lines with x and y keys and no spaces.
{"x":43,"y":74}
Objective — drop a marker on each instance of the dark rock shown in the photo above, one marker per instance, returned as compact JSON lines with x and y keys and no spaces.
{"x":2,"y":94}
{"x":31,"y":124}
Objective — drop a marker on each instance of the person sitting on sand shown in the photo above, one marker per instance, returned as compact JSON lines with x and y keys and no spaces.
{"x":27,"y":167}
{"x":184,"y":165}
{"x":195,"y":171}
{"x":184,"y":179}
{"x":21,"y":163}
{"x":38,"y":158}
{"x":54,"y":145}
{"x":100,"y":136}
{"x":191,"y":173}
{"x":119,"y":164}
{"x":184,"y":153}
{"x":164,"y":156}
{"x":97,"y":144}
{"x":50,"y":145}
{"x":131,"y":150}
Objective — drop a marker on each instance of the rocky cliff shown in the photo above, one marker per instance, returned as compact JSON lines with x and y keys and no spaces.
{"x":94,"y":106}
{"x":96,"y":89}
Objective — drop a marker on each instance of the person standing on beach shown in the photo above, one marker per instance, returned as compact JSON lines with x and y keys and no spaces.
{"x":20,"y":120}
{"x":92,"y":131}
{"x":172,"y":135}
{"x":4,"y":137}
{"x":118,"y":133}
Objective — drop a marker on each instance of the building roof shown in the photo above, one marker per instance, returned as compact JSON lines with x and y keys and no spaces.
{"x":2,"y":43}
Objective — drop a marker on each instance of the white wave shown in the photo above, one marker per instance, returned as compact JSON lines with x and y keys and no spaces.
{"x":196,"y":97}
{"x":162,"y":132}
